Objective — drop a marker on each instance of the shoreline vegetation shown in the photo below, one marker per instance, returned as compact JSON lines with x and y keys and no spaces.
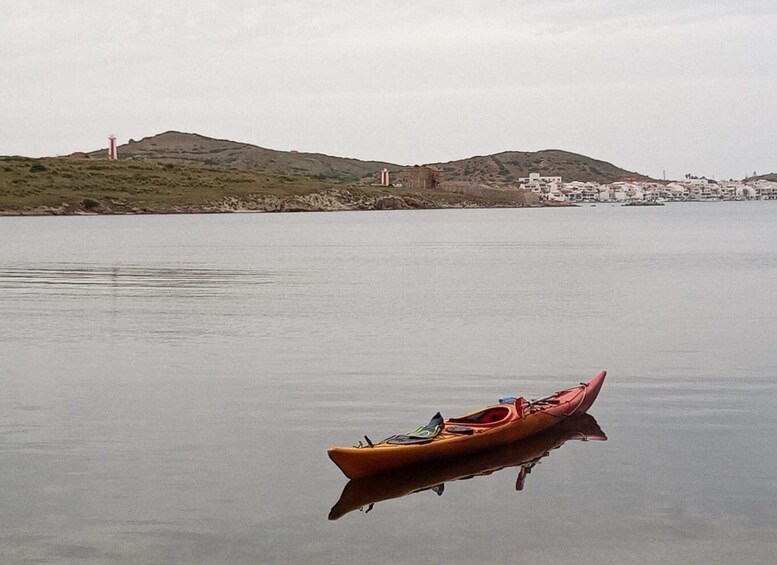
{"x":88,"y":186}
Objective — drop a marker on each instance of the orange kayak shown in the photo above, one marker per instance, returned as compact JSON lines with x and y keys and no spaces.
{"x":489,"y":427}
{"x":526,"y":453}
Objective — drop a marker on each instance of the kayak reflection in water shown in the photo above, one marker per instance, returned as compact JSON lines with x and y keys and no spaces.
{"x":365,"y":492}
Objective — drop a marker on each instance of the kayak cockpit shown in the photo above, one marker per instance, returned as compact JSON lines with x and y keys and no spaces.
{"x":491,"y":416}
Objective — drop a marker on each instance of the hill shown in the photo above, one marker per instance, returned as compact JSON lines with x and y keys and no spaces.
{"x":491,"y":170}
{"x":770,"y":177}
{"x":509,"y":166}
{"x":195,"y":148}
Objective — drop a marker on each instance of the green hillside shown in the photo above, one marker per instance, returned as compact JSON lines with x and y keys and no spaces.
{"x":502,"y":168}
{"x":195,"y":148}
{"x":133,"y":185}
{"x":509,"y":166}
{"x":770,"y":177}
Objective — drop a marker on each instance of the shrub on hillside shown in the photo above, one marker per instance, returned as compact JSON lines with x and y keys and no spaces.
{"x":90,"y":203}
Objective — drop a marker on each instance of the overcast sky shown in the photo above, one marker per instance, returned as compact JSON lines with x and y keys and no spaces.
{"x":686,"y":86}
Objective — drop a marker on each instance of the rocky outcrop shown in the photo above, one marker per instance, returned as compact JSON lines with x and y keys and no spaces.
{"x":326,"y":201}
{"x":334,"y":200}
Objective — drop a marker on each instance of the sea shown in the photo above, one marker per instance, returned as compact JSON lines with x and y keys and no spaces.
{"x":170,"y":384}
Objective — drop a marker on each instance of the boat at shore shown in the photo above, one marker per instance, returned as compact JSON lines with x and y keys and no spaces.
{"x":644,"y":203}
{"x":364,"y":493}
{"x":511,"y":420}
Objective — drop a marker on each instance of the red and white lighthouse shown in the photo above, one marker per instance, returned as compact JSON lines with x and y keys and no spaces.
{"x":384,"y":178}
{"x":113,"y":151}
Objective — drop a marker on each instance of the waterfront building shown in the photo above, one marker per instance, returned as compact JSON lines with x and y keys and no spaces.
{"x":765,"y":190}
{"x":421,"y":177}
{"x":547,"y":188}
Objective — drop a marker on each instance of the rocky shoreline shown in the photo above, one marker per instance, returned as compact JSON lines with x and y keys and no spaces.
{"x":334,"y":200}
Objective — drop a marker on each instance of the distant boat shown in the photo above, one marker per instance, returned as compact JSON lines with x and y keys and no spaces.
{"x":644,"y":203}
{"x":526,"y":454}
{"x":492,"y":426}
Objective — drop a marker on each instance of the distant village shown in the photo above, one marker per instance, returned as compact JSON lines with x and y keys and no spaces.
{"x":553,"y":189}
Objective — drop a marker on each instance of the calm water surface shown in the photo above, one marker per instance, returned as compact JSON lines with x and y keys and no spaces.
{"x":169,"y":385}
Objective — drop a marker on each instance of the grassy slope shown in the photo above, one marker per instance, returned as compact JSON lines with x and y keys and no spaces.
{"x":191,"y":147}
{"x":27,"y":183}
{"x":73,"y":185}
{"x":508,"y":167}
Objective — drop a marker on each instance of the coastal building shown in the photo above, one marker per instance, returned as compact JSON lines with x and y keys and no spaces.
{"x":537,"y":178}
{"x":765,"y":190}
{"x":421,"y":177}
{"x":384,"y":178}
{"x":677,"y":192}
{"x":546,"y":188}
{"x":555,"y":196}
{"x":732,"y":190}
{"x":612,"y":193}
